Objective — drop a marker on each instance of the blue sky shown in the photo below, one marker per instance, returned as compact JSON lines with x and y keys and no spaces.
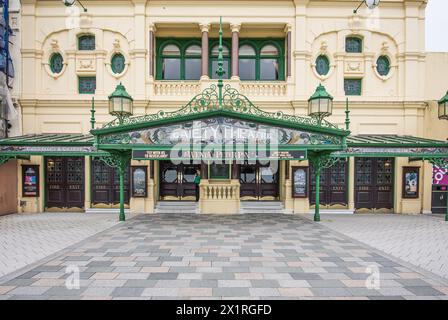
{"x":436,"y":25}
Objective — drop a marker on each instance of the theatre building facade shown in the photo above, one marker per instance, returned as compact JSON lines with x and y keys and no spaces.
{"x":283,"y":105}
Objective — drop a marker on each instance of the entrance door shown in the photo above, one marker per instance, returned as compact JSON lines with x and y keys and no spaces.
{"x":374,"y":184}
{"x":333,"y":186}
{"x":177,"y":181}
{"x":439,"y":195}
{"x":258,"y":182}
{"x":64,"y":187}
{"x":106,"y":185}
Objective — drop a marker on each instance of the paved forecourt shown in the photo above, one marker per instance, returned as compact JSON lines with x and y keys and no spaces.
{"x":251,"y":256}
{"x":418,"y":239}
{"x":28,"y":238}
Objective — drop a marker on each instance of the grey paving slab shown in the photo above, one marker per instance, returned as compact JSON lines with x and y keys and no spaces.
{"x":222,"y":257}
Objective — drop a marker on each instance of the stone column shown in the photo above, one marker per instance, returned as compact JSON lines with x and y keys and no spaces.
{"x":151,"y":49}
{"x":235,"y":48}
{"x":205,"y":27}
{"x":288,"y":50}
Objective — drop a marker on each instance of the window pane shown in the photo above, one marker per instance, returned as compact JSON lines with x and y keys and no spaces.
{"x":56,"y":63}
{"x":117,"y":63}
{"x":353,"y":45}
{"x":268,"y":69}
{"x":192,"y":69}
{"x":171,"y":69}
{"x":171,"y":50}
{"x":247,"y":69}
{"x":246,"y":50}
{"x":352,"y":87}
{"x":87,"y":84}
{"x":193,"y":50}
{"x":219,"y":171}
{"x":225,"y":67}
{"x":86,"y":42}
{"x":269,"y":50}
{"x":215,"y":51}
{"x":322,"y":65}
{"x":383,"y":66}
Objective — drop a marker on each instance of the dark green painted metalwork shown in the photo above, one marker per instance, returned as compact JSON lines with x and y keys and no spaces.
{"x":92,"y":114}
{"x":214,"y":58}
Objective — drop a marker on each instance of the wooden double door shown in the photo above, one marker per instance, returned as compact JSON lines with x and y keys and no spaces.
{"x":333,"y":186}
{"x":105,"y":184}
{"x":258,"y":181}
{"x":374,"y":184}
{"x":177,"y":181}
{"x":64,"y":183}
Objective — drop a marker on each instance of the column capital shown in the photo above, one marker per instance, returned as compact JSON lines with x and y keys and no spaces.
{"x":152,"y":27}
{"x":235,"y":27}
{"x":205,"y":27}
{"x":288,"y":28}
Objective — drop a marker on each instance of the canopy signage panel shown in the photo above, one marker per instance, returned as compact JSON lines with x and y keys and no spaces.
{"x":217,"y":155}
{"x":46,"y":149}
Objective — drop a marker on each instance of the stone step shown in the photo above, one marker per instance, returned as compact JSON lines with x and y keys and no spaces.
{"x":184,"y":207}
{"x":271,"y":207}
{"x":333,"y":211}
{"x":96,"y":211}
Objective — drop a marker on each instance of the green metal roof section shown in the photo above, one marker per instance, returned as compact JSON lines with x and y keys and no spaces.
{"x":378,"y":140}
{"x":49,"y":139}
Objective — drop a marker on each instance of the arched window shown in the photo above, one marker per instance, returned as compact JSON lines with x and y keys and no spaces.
{"x":353,"y":45}
{"x":86,"y":42}
{"x":322,"y":65}
{"x":117,"y":63}
{"x":56,"y":63}
{"x":247,"y":62}
{"x":193,"y":62}
{"x":383,"y":65}
{"x":214,"y":61}
{"x":269,"y":56}
{"x":171,"y":62}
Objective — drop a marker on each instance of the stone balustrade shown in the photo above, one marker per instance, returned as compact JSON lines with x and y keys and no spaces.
{"x":176,"y":88}
{"x":264,"y":89}
{"x":224,"y":195}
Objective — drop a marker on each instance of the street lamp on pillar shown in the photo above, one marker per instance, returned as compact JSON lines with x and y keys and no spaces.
{"x":121,"y":103}
{"x":320,"y":104}
{"x":69,"y":3}
{"x":371,"y":4}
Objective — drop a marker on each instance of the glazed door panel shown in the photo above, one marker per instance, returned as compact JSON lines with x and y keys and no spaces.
{"x":64,"y":182}
{"x":258,"y":182}
{"x":333,"y":185}
{"x":106,"y":185}
{"x":439,"y":196}
{"x":374,"y":183}
{"x":177,"y":181}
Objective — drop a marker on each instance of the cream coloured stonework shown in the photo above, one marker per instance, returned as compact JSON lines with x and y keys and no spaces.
{"x":403,"y":102}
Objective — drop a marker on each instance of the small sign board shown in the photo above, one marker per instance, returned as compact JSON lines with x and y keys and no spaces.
{"x":300,"y":182}
{"x":218,"y":155}
{"x":30,"y":181}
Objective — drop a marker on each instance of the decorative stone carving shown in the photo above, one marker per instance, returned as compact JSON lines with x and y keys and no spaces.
{"x":85,"y":65}
{"x":354,"y":67}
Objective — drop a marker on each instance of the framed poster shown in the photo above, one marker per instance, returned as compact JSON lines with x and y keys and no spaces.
{"x":410,"y":182}
{"x":30,"y":181}
{"x":139,"y":181}
{"x":299,"y":182}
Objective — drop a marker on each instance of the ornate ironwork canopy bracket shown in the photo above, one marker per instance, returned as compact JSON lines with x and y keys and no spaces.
{"x":119,"y":160}
{"x":319,"y":161}
{"x":439,"y":162}
{"x":4,"y":159}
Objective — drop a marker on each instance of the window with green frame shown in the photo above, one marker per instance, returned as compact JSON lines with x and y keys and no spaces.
{"x":56,"y":63}
{"x":178,"y":59}
{"x":86,"y":85}
{"x":213,"y":64}
{"x":322,"y":65}
{"x":219,"y":171}
{"x":117,"y":63}
{"x":261,"y":59}
{"x":86,"y":42}
{"x":353,"y":87}
{"x":383,"y":65}
{"x":353,"y":45}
